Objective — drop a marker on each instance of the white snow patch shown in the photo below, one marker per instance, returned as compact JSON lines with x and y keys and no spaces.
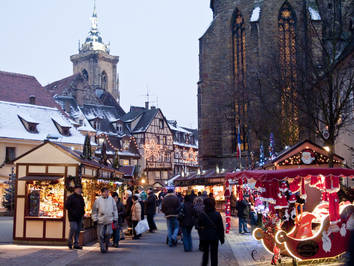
{"x":315,"y":15}
{"x":255,"y":14}
{"x":11,"y":127}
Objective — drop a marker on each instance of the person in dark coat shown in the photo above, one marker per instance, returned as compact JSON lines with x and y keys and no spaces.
{"x":128,"y":213}
{"x":211,"y":232}
{"x":151,"y":210}
{"x":193,"y":195}
{"x":243,"y":212}
{"x":75,"y":205}
{"x":171,"y":207}
{"x":121,"y":213}
{"x":187,"y":222}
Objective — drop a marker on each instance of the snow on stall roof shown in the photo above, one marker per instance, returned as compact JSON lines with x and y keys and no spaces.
{"x":255,"y":14}
{"x":11,"y":126}
{"x":315,"y":15}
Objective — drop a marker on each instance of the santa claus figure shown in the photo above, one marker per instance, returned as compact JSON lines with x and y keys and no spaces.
{"x":307,"y":156}
{"x":282,"y":202}
{"x":332,"y":187}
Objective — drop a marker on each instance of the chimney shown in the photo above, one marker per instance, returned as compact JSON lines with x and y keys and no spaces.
{"x":147,"y":105}
{"x":32,"y":99}
{"x":67,"y":106}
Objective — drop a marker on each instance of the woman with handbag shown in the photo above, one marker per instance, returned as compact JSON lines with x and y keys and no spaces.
{"x":136,"y":215}
{"x":211,"y":229}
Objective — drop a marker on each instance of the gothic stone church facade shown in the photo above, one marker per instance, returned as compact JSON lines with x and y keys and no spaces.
{"x":245,"y":39}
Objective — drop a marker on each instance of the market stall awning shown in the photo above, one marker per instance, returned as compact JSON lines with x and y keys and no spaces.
{"x":271,"y":175}
{"x":39,"y":178}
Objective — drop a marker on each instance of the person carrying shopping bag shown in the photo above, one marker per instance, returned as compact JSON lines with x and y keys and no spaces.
{"x":136,"y":215}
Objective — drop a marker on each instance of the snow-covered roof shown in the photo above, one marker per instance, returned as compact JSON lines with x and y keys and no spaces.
{"x":178,"y":128}
{"x":12,"y":127}
{"x":314,"y":14}
{"x":255,"y":14}
{"x":26,"y":117}
{"x":195,"y":146}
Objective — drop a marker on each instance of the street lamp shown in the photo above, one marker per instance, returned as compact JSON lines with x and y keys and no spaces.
{"x":143,"y":181}
{"x":327,"y":148}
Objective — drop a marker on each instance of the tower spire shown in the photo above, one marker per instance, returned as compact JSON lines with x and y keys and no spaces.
{"x":94,"y":17}
{"x":94,"y":40}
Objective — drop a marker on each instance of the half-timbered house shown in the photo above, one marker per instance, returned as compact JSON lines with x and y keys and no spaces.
{"x":155,"y":142}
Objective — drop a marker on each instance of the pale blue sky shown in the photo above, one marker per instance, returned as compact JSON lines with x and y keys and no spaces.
{"x":157,"y":41}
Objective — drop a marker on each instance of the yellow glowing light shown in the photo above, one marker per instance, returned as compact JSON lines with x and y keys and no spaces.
{"x":327,"y":148}
{"x":143,"y":181}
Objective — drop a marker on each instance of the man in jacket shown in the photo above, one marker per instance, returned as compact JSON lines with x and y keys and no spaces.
{"x":151,"y":210}
{"x":75,"y":205}
{"x":243,"y":212}
{"x":104,"y":213}
{"x":170,"y":207}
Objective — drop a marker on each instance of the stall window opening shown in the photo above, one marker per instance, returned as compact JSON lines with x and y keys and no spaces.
{"x":46,"y":198}
{"x":10,"y":154}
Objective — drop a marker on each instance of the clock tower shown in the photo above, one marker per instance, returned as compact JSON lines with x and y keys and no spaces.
{"x":95,"y":62}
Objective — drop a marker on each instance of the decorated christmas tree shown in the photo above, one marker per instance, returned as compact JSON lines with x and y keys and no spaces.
{"x":261,"y":155}
{"x":9,"y":196}
{"x":104,"y":154}
{"x":115,"y":163}
{"x":87,"y":152}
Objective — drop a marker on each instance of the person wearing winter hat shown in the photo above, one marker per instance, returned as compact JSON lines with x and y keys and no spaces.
{"x":75,"y":205}
{"x":243,"y":212}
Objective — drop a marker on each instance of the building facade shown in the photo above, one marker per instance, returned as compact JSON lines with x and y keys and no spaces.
{"x":255,"y":54}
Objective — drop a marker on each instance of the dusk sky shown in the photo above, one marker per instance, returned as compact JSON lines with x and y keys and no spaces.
{"x":156,"y":40}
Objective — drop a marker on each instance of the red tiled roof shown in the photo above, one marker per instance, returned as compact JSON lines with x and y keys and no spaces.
{"x":19,"y":87}
{"x":59,"y":86}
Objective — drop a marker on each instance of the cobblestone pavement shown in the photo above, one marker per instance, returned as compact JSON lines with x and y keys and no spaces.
{"x":150,"y":250}
{"x":6,"y":229}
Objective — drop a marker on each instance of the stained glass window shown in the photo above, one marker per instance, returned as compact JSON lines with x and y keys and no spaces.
{"x":287,"y":56}
{"x":239,"y":63}
{"x":239,"y":47}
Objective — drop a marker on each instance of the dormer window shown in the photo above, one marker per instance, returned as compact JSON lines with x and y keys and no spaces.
{"x":95,"y":123}
{"x":29,"y":123}
{"x":64,"y":129}
{"x":119,"y":127}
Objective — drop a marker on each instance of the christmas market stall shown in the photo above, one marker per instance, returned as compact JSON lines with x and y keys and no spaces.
{"x":45,"y":177}
{"x":211,"y":181}
{"x":286,"y":228}
{"x":305,"y":154}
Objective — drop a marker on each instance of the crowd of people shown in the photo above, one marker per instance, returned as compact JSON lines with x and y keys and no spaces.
{"x":110,"y":214}
{"x":184,"y":213}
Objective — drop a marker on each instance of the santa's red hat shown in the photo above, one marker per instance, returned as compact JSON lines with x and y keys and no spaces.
{"x":283,"y":187}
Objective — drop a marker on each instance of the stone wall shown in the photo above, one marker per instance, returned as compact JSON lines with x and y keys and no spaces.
{"x":216,"y":89}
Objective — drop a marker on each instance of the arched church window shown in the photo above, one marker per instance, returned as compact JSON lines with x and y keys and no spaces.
{"x":287,"y":43}
{"x":287,"y":57}
{"x":239,"y":47}
{"x":85,"y":74}
{"x":239,"y":65}
{"x":104,"y":80}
